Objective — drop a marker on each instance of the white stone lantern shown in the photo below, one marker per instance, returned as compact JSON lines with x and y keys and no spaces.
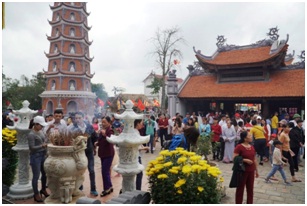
{"x":128,"y":142}
{"x":23,"y":188}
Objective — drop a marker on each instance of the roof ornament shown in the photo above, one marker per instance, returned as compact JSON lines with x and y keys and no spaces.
{"x":302,"y":56}
{"x":289,"y":56}
{"x":273,"y":33}
{"x":172,"y":74}
{"x":220,"y":41}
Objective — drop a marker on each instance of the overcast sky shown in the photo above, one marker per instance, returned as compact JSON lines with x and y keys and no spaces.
{"x":121,"y":33}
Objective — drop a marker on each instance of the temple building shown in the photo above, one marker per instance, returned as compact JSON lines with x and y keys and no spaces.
{"x":261,"y":76}
{"x":69,"y":73}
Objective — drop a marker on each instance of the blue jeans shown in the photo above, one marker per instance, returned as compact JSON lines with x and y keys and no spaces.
{"x":151,"y":142}
{"x":274,"y":170}
{"x":274,"y":130}
{"x":106,"y":164}
{"x":37,"y":165}
{"x":139,"y":177}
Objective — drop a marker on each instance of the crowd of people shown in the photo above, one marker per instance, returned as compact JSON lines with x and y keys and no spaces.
{"x":249,"y":135}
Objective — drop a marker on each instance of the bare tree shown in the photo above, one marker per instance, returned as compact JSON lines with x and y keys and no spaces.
{"x":166,"y":50}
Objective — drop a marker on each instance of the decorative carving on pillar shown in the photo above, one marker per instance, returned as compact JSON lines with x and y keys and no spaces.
{"x":23,"y":188}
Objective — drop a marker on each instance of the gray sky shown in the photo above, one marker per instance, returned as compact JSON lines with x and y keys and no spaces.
{"x":121,"y":32}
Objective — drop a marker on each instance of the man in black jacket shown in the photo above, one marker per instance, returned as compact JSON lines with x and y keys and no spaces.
{"x":297,"y":140}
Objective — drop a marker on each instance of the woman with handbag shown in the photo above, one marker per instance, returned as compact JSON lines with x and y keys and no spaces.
{"x":248,"y":154}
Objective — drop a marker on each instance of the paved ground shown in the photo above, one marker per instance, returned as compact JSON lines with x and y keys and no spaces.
{"x":275,"y":193}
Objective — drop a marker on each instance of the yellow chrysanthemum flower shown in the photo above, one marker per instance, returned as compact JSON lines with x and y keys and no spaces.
{"x":195,"y":168}
{"x":162,"y":176}
{"x":179,"y":191}
{"x":153,"y":162}
{"x":159,"y":166}
{"x":176,"y":168}
{"x":186,"y":169}
{"x":173,"y":171}
{"x":167,"y":164}
{"x":165,"y":153}
{"x":202,"y":162}
{"x":181,"y":160}
{"x":149,"y":173}
{"x":179,"y":148}
{"x":200,"y":189}
{"x":180,"y":182}
{"x":160,"y":158}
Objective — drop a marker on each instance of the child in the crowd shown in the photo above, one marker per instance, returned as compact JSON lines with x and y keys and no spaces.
{"x":277,"y":163}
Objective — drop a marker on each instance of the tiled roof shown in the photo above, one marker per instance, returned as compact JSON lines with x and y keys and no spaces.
{"x":242,"y":56}
{"x":282,"y":83}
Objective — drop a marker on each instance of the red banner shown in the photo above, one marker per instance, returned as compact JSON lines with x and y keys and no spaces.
{"x":100,"y":102}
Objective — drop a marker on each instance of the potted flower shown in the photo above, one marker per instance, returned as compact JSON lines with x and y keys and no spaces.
{"x":182,"y":177}
{"x":9,"y":140}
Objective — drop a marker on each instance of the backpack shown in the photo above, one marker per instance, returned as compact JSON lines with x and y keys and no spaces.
{"x":177,"y":141}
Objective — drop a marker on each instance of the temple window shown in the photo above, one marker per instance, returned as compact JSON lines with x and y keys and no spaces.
{"x":56,"y":32}
{"x":54,"y":67}
{"x":72,"y":16}
{"x":72,"y":67}
{"x":57,"y":17}
{"x":72,"y":85}
{"x":55,"y":48}
{"x":72,"y":49}
{"x":53,"y":85}
{"x":72,"y":32}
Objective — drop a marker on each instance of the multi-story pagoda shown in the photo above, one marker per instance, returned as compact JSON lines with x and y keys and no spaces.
{"x":69,"y":74}
{"x":257,"y":74}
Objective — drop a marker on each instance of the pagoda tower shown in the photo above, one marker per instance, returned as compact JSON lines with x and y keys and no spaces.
{"x":69,"y":75}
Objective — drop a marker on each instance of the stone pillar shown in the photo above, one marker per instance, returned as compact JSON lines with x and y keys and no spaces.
{"x":172,"y":91}
{"x":128,"y":142}
{"x":23,"y":188}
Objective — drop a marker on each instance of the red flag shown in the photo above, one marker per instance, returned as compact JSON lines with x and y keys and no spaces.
{"x":156,"y":103}
{"x":141,"y":106}
{"x":100,"y":102}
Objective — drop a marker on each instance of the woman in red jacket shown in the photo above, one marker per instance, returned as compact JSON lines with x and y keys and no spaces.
{"x":106,"y":154}
{"x":217,"y":131}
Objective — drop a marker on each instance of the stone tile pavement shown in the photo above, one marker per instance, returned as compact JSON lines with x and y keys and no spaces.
{"x":275,"y":193}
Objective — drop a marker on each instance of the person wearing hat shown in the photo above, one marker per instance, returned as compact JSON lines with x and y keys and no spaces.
{"x":259,"y":120}
{"x":297,"y":140}
{"x":295,"y":118}
{"x":38,"y":150}
{"x":278,"y":162}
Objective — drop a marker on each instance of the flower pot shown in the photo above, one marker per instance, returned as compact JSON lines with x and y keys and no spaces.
{"x":65,"y":167}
